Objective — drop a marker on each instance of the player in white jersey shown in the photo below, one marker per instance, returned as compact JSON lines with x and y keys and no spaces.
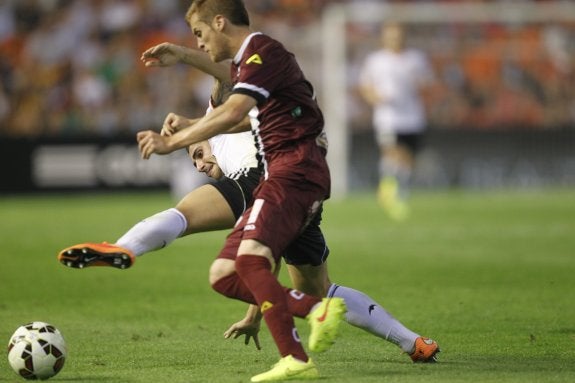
{"x":233,"y":149}
{"x":391,"y":81}
{"x":235,"y":153}
{"x":231,"y":160}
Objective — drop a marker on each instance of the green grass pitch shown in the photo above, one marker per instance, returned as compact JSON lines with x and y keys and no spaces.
{"x":489,"y":275}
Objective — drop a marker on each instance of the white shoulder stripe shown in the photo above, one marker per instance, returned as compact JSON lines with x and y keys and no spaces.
{"x":253,"y":88}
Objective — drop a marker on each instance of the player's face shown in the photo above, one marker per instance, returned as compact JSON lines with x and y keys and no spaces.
{"x":209,"y":37}
{"x":392,"y":37}
{"x":204,"y":160}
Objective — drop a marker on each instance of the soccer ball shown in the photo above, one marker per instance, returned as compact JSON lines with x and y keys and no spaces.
{"x":37,"y":350}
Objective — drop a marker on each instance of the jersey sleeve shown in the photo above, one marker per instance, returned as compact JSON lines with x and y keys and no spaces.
{"x":262,"y":70}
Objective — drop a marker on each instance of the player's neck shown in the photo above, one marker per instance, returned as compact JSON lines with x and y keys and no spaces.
{"x":238,"y":35}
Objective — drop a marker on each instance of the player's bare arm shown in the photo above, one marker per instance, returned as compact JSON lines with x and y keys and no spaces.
{"x":248,"y":326}
{"x":168,"y":54}
{"x":370,"y":95}
{"x":174,"y":123}
{"x":243,"y":126}
{"x":223,"y":119}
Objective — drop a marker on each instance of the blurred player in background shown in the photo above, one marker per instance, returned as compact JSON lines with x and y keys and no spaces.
{"x":392,"y":80}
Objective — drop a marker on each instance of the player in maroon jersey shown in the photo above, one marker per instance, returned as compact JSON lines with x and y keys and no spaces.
{"x":287,"y":125}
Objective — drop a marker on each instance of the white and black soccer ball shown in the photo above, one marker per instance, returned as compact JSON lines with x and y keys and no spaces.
{"x":37,"y":350}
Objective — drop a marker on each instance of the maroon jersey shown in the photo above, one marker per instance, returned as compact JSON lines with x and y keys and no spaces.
{"x":289,"y":120}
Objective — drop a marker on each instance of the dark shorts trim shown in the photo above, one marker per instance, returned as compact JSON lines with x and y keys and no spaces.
{"x":309,"y":248}
{"x":413,"y":141}
{"x":238,"y":192}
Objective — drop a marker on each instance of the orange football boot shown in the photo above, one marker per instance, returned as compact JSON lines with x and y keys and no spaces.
{"x":425,"y":351}
{"x":96,"y":254}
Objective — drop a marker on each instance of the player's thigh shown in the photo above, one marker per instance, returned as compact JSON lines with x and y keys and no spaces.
{"x":206,"y":209}
{"x":312,"y":280}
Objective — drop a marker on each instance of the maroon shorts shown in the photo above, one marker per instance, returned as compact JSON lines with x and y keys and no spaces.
{"x":285,"y":217}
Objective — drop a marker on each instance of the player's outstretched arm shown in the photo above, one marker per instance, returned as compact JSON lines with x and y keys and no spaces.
{"x":222,"y":119}
{"x":174,"y":123}
{"x":370,"y":95}
{"x":249,"y":326}
{"x":168,"y":54}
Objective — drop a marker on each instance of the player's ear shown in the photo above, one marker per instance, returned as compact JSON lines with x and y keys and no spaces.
{"x":219,"y":23}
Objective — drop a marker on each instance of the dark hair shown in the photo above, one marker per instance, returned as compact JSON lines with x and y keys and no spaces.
{"x":233,"y":10}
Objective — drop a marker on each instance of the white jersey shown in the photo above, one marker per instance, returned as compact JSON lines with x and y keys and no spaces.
{"x":397,"y":78}
{"x":234,"y":152}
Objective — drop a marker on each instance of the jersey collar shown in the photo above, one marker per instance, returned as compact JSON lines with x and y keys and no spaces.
{"x":238,"y":56}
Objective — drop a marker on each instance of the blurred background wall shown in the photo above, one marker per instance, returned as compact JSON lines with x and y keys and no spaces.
{"x":73,"y":92}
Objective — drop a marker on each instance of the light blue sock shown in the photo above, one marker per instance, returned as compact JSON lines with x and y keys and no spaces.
{"x":365,"y":313}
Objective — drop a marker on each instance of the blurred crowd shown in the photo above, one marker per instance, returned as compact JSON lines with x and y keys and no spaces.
{"x":72,"y":67}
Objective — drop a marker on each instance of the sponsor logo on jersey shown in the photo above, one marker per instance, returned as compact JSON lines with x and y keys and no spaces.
{"x":255,"y":58}
{"x":266,"y":306}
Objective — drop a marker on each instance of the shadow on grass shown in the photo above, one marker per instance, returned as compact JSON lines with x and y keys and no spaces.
{"x":453,"y":368}
{"x":88,"y":378}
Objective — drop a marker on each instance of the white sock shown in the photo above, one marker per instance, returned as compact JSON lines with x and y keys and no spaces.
{"x":388,"y":167}
{"x":403,"y":176}
{"x":365,"y":313}
{"x":391,"y":168}
{"x":154,"y":232}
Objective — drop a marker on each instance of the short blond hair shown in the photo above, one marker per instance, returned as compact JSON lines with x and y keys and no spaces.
{"x":233,"y":10}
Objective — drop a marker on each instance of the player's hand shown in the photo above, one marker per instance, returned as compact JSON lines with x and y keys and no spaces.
{"x":150,"y":142}
{"x":245,"y":327}
{"x":174,"y":123}
{"x":164,"y":54}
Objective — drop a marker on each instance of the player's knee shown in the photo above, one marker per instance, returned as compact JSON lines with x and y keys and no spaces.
{"x":231,"y":286}
{"x":223,"y":277}
{"x":225,"y":285}
{"x":225,"y":280}
{"x":219,"y":269}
